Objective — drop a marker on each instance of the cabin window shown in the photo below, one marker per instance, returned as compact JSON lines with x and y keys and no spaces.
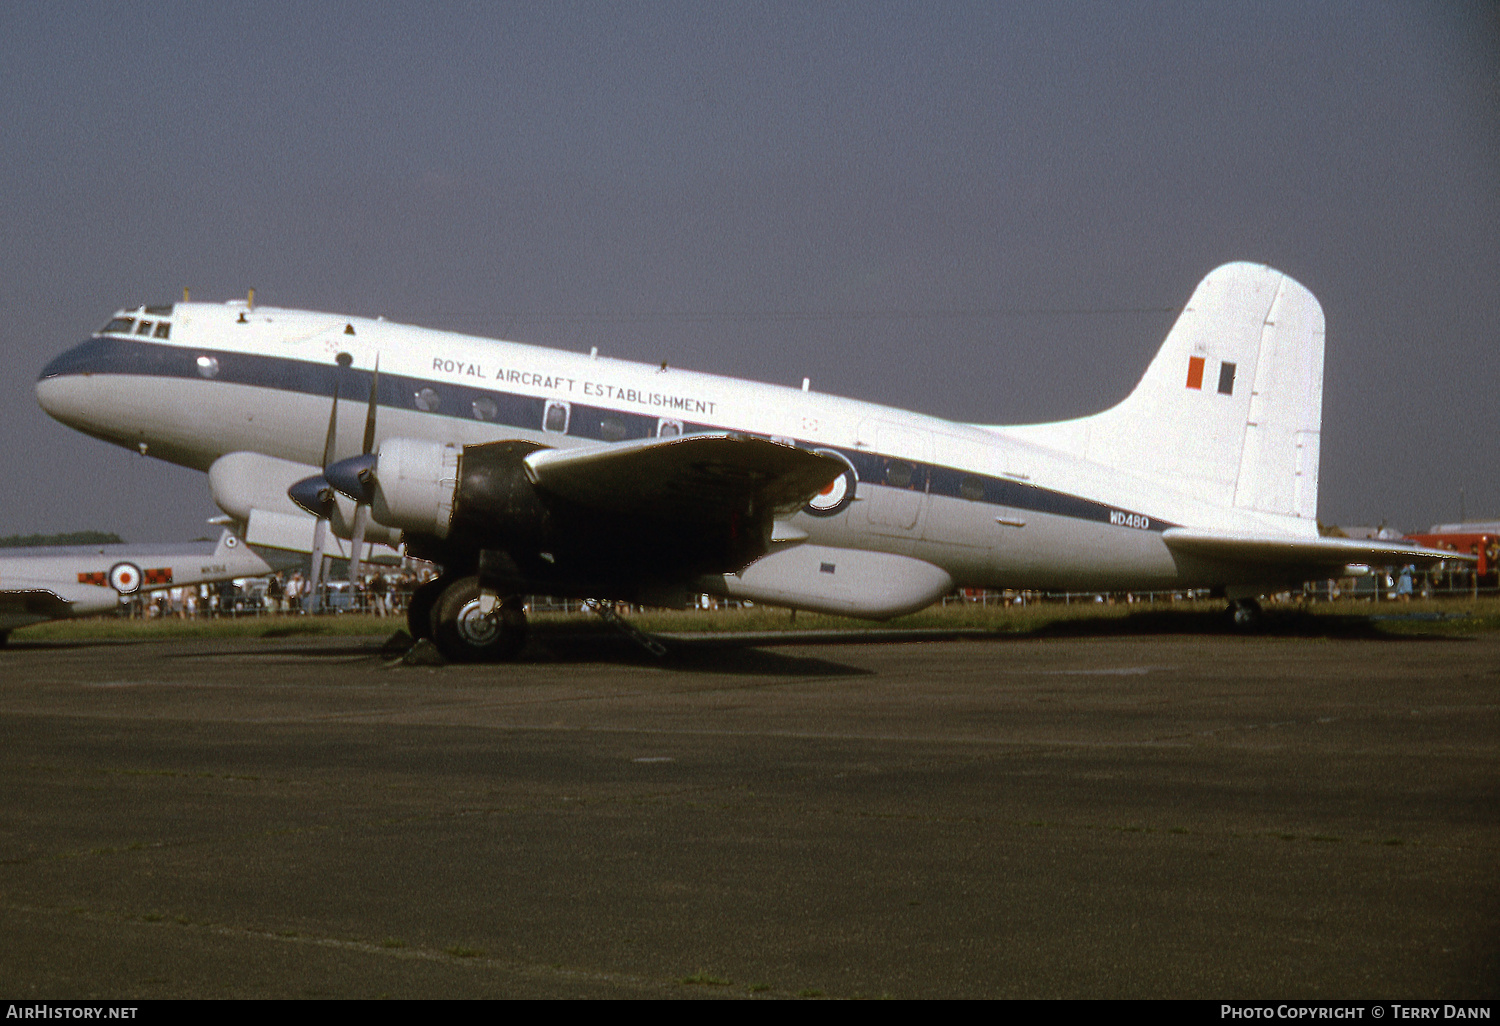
{"x":555,"y":419}
{"x":971,"y":488}
{"x":899,"y":474}
{"x":208,"y":367}
{"x":427,"y":400}
{"x":668,"y":428}
{"x":612,"y":429}
{"x":484,"y":408}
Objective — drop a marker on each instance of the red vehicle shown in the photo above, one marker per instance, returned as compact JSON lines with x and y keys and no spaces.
{"x":1474,"y":539}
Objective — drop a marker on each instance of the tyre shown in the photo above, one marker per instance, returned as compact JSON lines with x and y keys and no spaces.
{"x":463,"y":633}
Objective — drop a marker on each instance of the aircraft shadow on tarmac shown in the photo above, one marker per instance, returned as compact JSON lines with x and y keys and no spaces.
{"x":728,"y":654}
{"x":765,"y":652}
{"x":741,"y":654}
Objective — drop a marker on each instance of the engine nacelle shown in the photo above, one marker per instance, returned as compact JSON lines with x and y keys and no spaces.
{"x":416,"y":485}
{"x":429,"y":488}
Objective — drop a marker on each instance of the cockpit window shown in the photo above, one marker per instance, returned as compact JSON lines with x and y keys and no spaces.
{"x":163,"y":329}
{"x":118,"y":326}
{"x":144,"y":329}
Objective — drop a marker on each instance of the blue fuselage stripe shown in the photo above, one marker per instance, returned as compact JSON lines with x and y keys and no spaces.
{"x":105,"y":355}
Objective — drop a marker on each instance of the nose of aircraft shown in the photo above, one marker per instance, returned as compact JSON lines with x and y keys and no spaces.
{"x":65,"y":387}
{"x":69,"y":387}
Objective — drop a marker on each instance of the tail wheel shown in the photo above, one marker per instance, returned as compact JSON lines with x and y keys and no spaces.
{"x":464,"y":633}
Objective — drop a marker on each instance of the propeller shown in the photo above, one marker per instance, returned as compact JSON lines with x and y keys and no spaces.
{"x":316,"y":495}
{"x":362,"y":500}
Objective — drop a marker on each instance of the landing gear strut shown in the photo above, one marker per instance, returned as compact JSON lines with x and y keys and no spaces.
{"x":468,"y":629}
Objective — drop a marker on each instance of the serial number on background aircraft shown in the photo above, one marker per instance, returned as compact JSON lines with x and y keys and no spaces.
{"x":1120,"y":519}
{"x":593,"y":389}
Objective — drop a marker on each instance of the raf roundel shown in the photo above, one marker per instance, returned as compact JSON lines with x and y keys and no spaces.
{"x":125,"y":578}
{"x":839,"y":492}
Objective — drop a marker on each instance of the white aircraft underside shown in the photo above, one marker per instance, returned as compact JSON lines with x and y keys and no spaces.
{"x":1205,"y":476}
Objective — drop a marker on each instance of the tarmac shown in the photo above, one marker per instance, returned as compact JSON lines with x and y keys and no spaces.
{"x":915,"y":817}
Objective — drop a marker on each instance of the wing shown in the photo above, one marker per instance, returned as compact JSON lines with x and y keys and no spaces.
{"x":1331,"y":554}
{"x":34,"y":605}
{"x":688,"y":477}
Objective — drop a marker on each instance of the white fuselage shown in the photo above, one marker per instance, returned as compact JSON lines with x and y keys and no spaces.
{"x":989,"y":509}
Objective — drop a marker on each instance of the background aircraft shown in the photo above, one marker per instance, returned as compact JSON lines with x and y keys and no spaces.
{"x":528,"y":470}
{"x":56,"y":583}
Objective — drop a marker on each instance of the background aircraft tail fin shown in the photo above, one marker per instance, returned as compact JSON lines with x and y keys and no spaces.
{"x":1230,"y":410}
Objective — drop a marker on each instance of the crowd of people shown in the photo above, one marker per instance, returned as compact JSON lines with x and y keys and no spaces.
{"x":381,"y":591}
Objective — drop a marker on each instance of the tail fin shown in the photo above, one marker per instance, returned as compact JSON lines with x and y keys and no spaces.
{"x":1230,"y":410}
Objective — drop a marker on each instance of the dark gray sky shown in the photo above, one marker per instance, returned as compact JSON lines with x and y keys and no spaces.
{"x":981,"y":211}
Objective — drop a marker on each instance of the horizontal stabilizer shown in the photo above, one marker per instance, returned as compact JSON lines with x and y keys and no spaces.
{"x":685,"y":477}
{"x":1311,"y":553}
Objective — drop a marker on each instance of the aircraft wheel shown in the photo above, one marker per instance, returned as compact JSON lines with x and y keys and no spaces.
{"x":1246,"y":615}
{"x":463,"y":633}
{"x":419,"y":609}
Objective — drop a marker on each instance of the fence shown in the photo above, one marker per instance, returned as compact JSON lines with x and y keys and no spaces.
{"x":213,"y":601}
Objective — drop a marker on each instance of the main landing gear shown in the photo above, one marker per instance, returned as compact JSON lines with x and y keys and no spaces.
{"x":466,"y":625}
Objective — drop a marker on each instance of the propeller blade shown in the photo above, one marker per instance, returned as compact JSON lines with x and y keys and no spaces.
{"x":357,"y":542}
{"x":369,"y":445}
{"x":320,"y":536}
{"x":362,"y":503}
{"x":331,"y":439}
{"x":315,"y":494}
